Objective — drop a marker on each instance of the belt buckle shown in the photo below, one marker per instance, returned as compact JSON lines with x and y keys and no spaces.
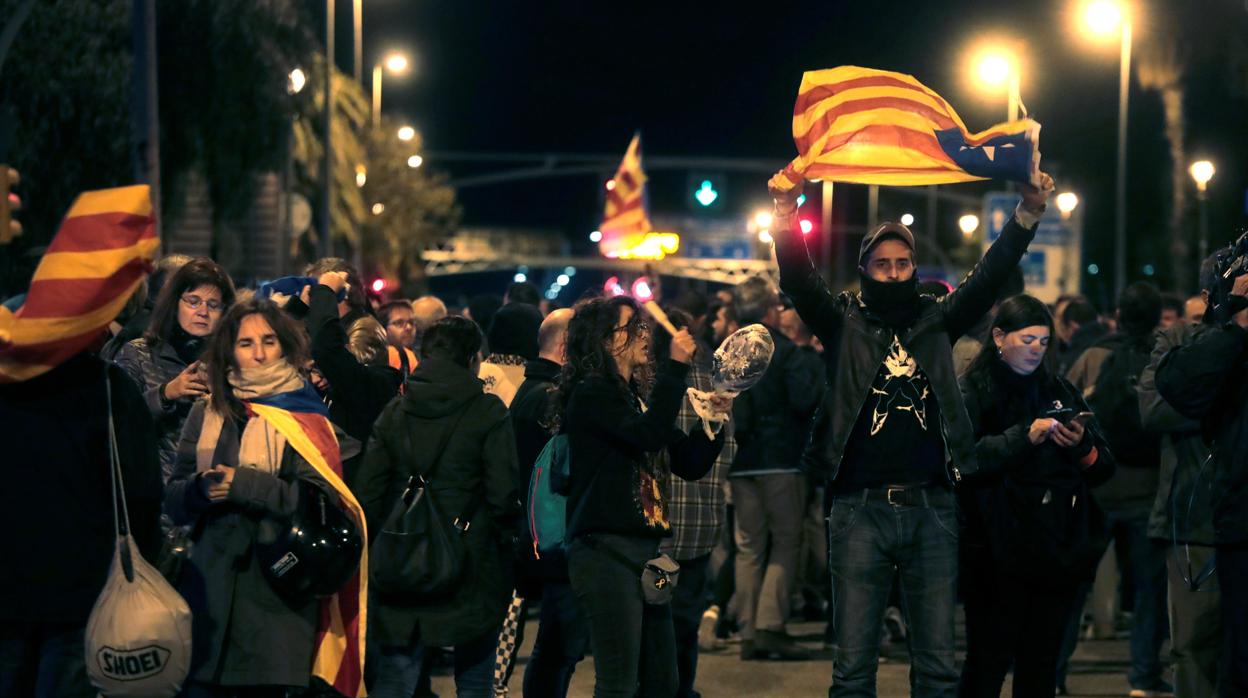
{"x":888,"y":494}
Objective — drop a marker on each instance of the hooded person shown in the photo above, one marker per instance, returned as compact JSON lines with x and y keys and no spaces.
{"x":513,"y":343}
{"x":894,"y":436}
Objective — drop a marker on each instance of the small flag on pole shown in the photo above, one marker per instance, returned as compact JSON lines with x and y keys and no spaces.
{"x":871,"y":126}
{"x":626,"y":197}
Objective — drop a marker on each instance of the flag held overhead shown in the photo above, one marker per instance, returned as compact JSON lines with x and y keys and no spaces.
{"x":870,"y":126}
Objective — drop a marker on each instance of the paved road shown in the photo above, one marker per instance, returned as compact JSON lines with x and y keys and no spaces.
{"x":1099,"y":669}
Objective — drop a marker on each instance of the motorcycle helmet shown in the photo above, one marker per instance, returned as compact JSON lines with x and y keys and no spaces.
{"x":312,"y":553}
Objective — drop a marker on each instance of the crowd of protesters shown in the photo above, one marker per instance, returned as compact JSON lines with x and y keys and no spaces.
{"x":910,"y":446}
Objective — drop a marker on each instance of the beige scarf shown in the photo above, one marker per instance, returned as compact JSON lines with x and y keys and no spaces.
{"x":260,"y":446}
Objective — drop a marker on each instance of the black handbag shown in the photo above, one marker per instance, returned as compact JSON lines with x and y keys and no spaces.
{"x":419,"y":555}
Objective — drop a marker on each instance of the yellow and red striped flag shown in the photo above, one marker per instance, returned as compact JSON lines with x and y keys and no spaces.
{"x":872,"y":126}
{"x":341,"y":629}
{"x":101,"y":253}
{"x":626,"y":197}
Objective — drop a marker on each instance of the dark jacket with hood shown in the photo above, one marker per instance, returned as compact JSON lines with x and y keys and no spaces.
{"x":477,"y":469}
{"x":618,"y":470}
{"x":857,"y":339}
{"x":1207,"y":379}
{"x":55,"y":501}
{"x":1019,"y":502}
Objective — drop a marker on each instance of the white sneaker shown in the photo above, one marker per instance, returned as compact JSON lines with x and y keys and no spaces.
{"x":707,"y":642}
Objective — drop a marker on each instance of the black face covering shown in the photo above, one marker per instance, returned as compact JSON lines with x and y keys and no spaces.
{"x":895,"y":302}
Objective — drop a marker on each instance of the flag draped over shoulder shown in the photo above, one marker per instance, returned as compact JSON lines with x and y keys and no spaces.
{"x":102,"y":251}
{"x":338,"y":657}
{"x":871,"y":126}
{"x":626,"y":197}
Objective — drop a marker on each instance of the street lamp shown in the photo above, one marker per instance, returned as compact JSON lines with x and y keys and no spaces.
{"x":1066,"y":203}
{"x":295,"y":81}
{"x":1105,"y":19}
{"x":907,"y":219}
{"x":406,"y":133}
{"x":968,"y":224}
{"x":1202,"y":171}
{"x":995,"y":67}
{"x":397,"y":64}
{"x":415,"y":161}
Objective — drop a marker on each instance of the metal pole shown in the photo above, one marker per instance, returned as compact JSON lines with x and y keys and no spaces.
{"x":1120,"y":191}
{"x":825,"y":224}
{"x":1015,"y":96}
{"x":377,"y":95}
{"x":1203,"y":195}
{"x":357,"y":63}
{"x":873,"y":206}
{"x":930,"y":227}
{"x":324,"y":245}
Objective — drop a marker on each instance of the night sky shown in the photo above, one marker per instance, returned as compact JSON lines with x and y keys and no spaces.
{"x":701,"y":79}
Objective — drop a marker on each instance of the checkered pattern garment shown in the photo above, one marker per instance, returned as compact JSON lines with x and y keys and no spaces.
{"x":509,"y":640}
{"x":696,"y":509}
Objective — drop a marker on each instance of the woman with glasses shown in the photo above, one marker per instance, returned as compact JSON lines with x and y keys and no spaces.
{"x":1032,"y":531}
{"x":164,"y":362}
{"x":624,"y":447}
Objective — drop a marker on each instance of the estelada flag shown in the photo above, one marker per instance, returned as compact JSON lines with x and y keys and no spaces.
{"x":338,"y":655}
{"x":871,"y":126}
{"x":101,"y":253}
{"x":626,"y":197}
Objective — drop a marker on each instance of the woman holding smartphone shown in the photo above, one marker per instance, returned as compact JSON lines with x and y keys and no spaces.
{"x":1032,"y":531}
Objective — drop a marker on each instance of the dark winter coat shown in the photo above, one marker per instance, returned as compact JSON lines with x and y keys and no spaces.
{"x":477,"y":469}
{"x":1185,"y":472}
{"x":55,"y":501}
{"x":151,"y":370}
{"x":244,"y":633}
{"x":856,"y":342}
{"x":772,"y":417}
{"x":1020,"y":500}
{"x":1207,"y":379}
{"x":357,"y":393}
{"x":618,"y":485}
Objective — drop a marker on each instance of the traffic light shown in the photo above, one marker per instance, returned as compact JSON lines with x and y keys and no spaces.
{"x":9,"y":204}
{"x":705,"y":192}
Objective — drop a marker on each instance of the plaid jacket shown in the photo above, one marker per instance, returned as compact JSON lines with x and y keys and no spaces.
{"x":696,"y":509}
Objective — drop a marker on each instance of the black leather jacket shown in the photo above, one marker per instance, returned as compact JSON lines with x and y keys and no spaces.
{"x":857,"y":342}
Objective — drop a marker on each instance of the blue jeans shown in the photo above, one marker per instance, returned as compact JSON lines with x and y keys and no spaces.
{"x":1150,"y":624}
{"x":396,"y":670}
{"x":43,"y":660}
{"x":562,"y":640}
{"x":868,"y":539}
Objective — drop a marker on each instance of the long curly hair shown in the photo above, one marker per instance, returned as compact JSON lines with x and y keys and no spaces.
{"x":591,"y":332}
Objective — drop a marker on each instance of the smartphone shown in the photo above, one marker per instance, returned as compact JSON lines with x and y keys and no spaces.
{"x":1082,"y":418}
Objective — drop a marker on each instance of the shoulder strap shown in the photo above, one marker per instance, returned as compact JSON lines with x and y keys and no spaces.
{"x":442,"y":442}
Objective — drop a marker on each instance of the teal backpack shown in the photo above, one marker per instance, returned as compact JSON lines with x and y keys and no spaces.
{"x":548,"y":497}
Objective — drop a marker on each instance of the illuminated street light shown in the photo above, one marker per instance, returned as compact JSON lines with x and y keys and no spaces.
{"x":763,"y":219}
{"x":764,"y":236}
{"x":1067,"y":201}
{"x":968,"y":225}
{"x":361,"y":175}
{"x":406,"y":133}
{"x":1108,"y":19}
{"x":378,"y":208}
{"x":397,"y":64}
{"x":595,"y":236}
{"x":295,"y":81}
{"x":1202,"y":171}
{"x":907,"y":219}
{"x":995,"y":67}
{"x":415,"y":161}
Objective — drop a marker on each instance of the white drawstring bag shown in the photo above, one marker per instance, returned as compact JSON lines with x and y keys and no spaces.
{"x":138,"y":639}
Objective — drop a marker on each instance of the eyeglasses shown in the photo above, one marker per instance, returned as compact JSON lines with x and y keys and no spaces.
{"x":193,"y":302}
